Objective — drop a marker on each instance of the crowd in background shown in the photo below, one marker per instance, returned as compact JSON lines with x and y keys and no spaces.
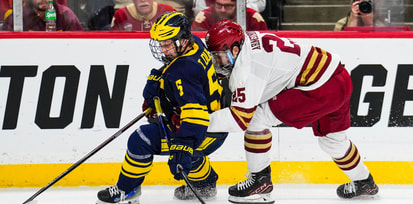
{"x":130,"y":15}
{"x":138,"y":15}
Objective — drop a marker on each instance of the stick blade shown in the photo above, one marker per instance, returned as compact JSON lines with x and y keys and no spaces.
{"x":30,"y":202}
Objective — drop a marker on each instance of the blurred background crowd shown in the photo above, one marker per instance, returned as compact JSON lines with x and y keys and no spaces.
{"x":138,"y":15}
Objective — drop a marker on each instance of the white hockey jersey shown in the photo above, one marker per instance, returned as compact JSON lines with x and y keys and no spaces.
{"x":267,"y":65}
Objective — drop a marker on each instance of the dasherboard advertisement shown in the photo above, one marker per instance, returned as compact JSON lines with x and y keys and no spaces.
{"x":62,"y":97}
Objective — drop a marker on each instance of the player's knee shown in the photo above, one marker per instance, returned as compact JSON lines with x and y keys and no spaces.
{"x":139,"y":143}
{"x":211,"y":143}
{"x":335,"y":144}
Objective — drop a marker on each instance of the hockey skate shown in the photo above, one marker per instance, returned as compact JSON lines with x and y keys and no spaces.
{"x":185,"y":193}
{"x":256,"y":189}
{"x":365,"y":187}
{"x":115,"y":195}
{"x":205,"y":188}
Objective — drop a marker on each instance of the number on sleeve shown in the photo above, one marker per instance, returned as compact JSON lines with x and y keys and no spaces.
{"x":239,"y":95}
{"x":283,"y":44}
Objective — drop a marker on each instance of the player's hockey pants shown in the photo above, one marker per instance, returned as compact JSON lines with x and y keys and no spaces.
{"x":148,"y":141}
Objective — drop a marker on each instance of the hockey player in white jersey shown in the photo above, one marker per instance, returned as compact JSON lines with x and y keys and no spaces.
{"x":275,"y":80}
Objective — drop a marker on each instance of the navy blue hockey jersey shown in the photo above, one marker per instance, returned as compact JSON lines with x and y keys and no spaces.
{"x":190,"y":82}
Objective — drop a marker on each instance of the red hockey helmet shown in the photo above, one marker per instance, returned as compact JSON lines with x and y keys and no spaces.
{"x":224,"y":35}
{"x":221,"y":38}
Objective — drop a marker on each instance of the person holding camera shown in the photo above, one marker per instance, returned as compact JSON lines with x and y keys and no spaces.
{"x":361,"y":14}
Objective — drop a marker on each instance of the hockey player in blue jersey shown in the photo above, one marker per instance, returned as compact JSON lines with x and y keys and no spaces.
{"x":189,"y":90}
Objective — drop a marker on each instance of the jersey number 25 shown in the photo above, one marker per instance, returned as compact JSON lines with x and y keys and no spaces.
{"x":283,"y":44}
{"x":239,"y":95}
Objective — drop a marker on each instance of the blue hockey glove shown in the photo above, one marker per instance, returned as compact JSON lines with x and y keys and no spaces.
{"x":180,"y":154}
{"x":152,"y":87}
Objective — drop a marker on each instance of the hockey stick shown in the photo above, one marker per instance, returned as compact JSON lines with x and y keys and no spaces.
{"x":160,"y":114}
{"x":179,"y":167}
{"x":107,"y":141}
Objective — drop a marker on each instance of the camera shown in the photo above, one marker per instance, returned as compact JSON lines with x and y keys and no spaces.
{"x":366,"y":6}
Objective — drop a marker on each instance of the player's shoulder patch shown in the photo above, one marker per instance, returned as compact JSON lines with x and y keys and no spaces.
{"x":257,"y":16}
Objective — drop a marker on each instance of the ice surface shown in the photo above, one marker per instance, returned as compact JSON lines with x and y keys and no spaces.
{"x":283,"y":193}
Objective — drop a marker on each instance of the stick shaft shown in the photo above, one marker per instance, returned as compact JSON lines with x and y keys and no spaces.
{"x":160,"y":113}
{"x":82,"y":160}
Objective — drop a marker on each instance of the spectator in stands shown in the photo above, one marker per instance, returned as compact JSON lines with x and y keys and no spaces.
{"x":199,"y":5}
{"x":5,"y":6}
{"x":5,"y":10}
{"x":95,"y":14}
{"x":356,"y":17}
{"x":258,"y":5}
{"x":183,"y":6}
{"x":64,"y":2}
{"x":226,"y":9}
{"x":138,"y":16}
{"x":34,"y":17}
{"x":179,"y":5}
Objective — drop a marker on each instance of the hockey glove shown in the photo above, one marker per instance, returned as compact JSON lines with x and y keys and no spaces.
{"x":180,"y":153}
{"x":152,"y":87}
{"x":152,"y":115}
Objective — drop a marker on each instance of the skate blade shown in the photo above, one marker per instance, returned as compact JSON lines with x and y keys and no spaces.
{"x":133,"y":199}
{"x":121,"y":202}
{"x":253,"y":199}
{"x":367,"y":197}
